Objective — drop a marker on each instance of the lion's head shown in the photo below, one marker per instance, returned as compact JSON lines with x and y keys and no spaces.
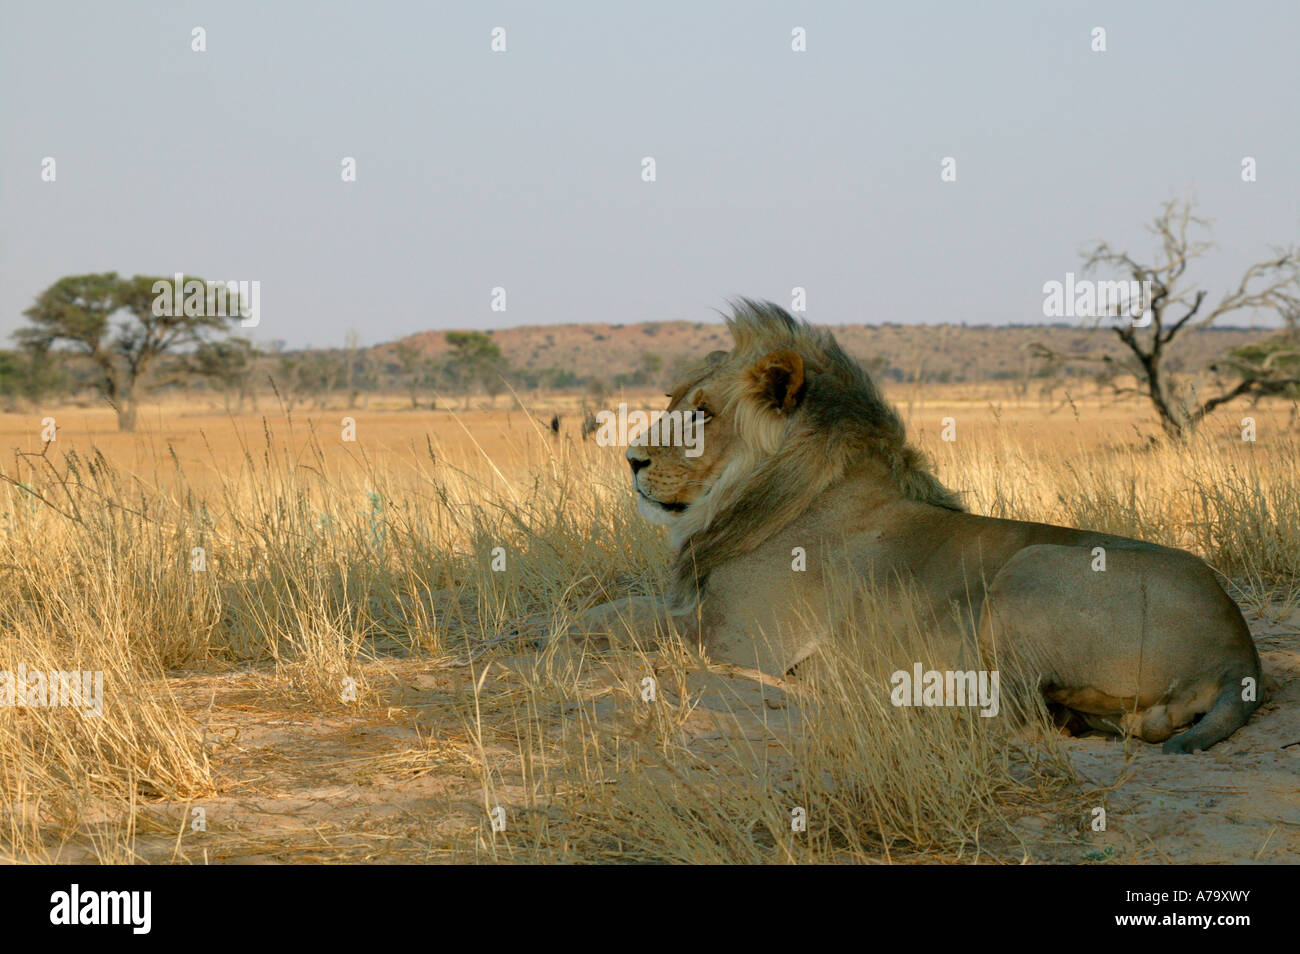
{"x":752,"y":436}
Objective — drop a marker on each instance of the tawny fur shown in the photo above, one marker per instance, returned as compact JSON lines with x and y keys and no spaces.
{"x":800,"y":450}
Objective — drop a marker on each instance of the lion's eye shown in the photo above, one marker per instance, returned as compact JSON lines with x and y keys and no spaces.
{"x":702,"y":414}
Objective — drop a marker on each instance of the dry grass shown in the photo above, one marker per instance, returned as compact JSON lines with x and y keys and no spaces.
{"x":332,"y":572}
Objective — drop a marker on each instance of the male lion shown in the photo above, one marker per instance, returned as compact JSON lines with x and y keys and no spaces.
{"x":800,"y":450}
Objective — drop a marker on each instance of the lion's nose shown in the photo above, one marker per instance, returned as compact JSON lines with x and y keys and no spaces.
{"x":637,"y":463}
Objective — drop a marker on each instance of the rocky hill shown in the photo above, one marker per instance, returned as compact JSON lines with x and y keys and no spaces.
{"x":901,"y":352}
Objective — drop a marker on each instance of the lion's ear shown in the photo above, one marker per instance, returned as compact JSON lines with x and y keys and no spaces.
{"x":777,"y":380}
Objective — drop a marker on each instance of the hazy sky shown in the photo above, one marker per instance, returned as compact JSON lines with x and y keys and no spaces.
{"x":523,"y":169}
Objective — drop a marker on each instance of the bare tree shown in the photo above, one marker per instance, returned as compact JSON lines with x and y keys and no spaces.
{"x":1175,"y":305}
{"x":355,"y":370}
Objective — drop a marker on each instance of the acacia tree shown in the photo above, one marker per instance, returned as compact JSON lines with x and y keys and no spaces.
{"x":1272,"y":364}
{"x":78,"y":311}
{"x":230,"y":363}
{"x":475,"y":359}
{"x":30,"y":375}
{"x":1176,"y":305}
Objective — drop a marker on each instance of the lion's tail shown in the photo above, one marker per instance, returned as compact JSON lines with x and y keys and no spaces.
{"x":1228,"y":714}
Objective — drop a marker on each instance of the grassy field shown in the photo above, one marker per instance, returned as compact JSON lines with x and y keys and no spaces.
{"x":322,"y":649}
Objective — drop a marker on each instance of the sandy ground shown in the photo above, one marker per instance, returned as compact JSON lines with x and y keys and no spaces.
{"x":398,"y":784}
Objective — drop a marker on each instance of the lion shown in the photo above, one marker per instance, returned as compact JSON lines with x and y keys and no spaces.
{"x":800,"y":450}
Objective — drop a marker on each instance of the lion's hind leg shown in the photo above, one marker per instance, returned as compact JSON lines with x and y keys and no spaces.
{"x":1140,"y":638}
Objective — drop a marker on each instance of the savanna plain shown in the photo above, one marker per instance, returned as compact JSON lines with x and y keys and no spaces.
{"x":318,"y":649}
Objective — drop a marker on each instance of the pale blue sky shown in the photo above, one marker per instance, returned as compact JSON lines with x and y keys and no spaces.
{"x":522,"y":169}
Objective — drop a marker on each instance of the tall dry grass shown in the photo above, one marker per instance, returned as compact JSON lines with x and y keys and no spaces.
{"x":719,"y":770}
{"x":310,"y":570}
{"x":1234,"y":503}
